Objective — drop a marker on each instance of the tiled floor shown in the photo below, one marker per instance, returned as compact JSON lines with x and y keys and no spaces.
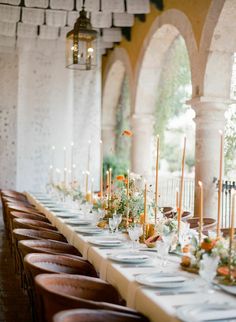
{"x":14,"y":304}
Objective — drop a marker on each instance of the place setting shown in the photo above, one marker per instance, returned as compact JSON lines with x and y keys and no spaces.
{"x":210,"y":311}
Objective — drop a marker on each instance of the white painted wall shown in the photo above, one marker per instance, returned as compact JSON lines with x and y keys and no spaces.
{"x":8,"y":117}
{"x":43,"y":104}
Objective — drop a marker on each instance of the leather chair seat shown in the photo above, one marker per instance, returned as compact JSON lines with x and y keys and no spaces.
{"x":84,"y":315}
{"x":32,"y":224}
{"x":24,"y":234}
{"x":48,"y":247}
{"x":47,"y":263}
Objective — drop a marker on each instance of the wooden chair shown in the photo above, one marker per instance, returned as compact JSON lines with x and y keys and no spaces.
{"x":56,"y":292}
{"x":83,"y":315}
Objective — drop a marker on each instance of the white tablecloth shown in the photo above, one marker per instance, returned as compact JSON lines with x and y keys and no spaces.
{"x":146,"y":300}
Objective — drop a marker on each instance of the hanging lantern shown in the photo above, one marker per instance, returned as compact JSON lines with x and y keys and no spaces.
{"x":81,"y":44}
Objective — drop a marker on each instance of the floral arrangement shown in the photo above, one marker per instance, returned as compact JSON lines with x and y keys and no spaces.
{"x":211,"y":246}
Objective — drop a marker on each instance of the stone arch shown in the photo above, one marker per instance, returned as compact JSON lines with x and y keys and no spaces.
{"x":161,"y":35}
{"x":117,"y":68}
{"x":163,"y":32}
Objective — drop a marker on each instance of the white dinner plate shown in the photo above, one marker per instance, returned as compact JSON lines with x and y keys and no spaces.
{"x":129,"y":257}
{"x":162,"y":280}
{"x":106,"y":242}
{"x":89,"y":230}
{"x":77,"y":221}
{"x":65,"y":215}
{"x":55,"y":209}
{"x":206,"y":312}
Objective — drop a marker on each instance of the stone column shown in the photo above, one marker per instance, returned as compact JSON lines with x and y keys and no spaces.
{"x":141,"y":156}
{"x":108,"y":138}
{"x":209,"y":120}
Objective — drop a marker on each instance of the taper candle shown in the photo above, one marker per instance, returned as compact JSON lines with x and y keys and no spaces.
{"x":110,"y":181}
{"x":86,"y":181}
{"x":157,"y":169}
{"x":201,"y":211}
{"x":101,"y":169}
{"x":220,"y":183}
{"x":128,"y":183}
{"x":89,"y":152}
{"x":181,"y":186}
{"x":107,"y":183}
{"x":92,"y":184}
{"x":145,"y":203}
{"x":232,"y":217}
{"x":177,"y":200}
{"x":72,"y":161}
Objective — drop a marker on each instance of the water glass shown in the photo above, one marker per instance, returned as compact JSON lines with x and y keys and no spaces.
{"x":117,"y":218}
{"x":207,"y":270}
{"x":112,"y":225}
{"x":134,"y":233}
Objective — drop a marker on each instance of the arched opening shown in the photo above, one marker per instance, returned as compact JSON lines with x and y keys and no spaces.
{"x":164,"y":84}
{"x":116,"y":118}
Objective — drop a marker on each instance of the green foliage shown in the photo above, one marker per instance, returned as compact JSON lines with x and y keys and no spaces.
{"x":173,"y":91}
{"x":175,"y":78}
{"x":118,"y":166}
{"x":230,"y":140}
{"x":122,"y":143}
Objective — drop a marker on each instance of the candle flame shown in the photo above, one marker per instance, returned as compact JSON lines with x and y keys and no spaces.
{"x":100,"y":141}
{"x":64,"y":148}
{"x":220,"y":132}
{"x":53,"y":147}
{"x":72,"y":144}
{"x":200,"y":183}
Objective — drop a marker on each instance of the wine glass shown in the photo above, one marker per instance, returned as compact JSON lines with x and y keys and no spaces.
{"x":134,"y":233}
{"x":112,"y":225}
{"x":118,"y":218}
{"x":207,"y":270}
{"x":163,"y":247}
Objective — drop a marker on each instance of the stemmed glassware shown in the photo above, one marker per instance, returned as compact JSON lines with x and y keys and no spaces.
{"x":207,"y":270}
{"x":112,"y":225}
{"x":134,"y":233}
{"x":163,"y":247}
{"x":117,"y":218}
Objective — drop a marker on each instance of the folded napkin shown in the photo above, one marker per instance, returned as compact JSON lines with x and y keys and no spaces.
{"x":166,"y":279}
{"x":110,"y":242}
{"x":125,"y":257}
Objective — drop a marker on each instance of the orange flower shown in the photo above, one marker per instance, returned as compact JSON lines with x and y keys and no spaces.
{"x":99,"y":194}
{"x":127,"y":133}
{"x":125,"y":181}
{"x":208,"y":244}
{"x":120,"y":178}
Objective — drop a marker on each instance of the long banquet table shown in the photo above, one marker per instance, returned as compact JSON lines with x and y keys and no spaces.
{"x":157,"y":307}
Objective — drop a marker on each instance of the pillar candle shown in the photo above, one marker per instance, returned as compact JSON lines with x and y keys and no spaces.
{"x":220,"y":184}
{"x":181,"y":186}
{"x":101,"y":169}
{"x":201,"y":211}
{"x":156,"y":187}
